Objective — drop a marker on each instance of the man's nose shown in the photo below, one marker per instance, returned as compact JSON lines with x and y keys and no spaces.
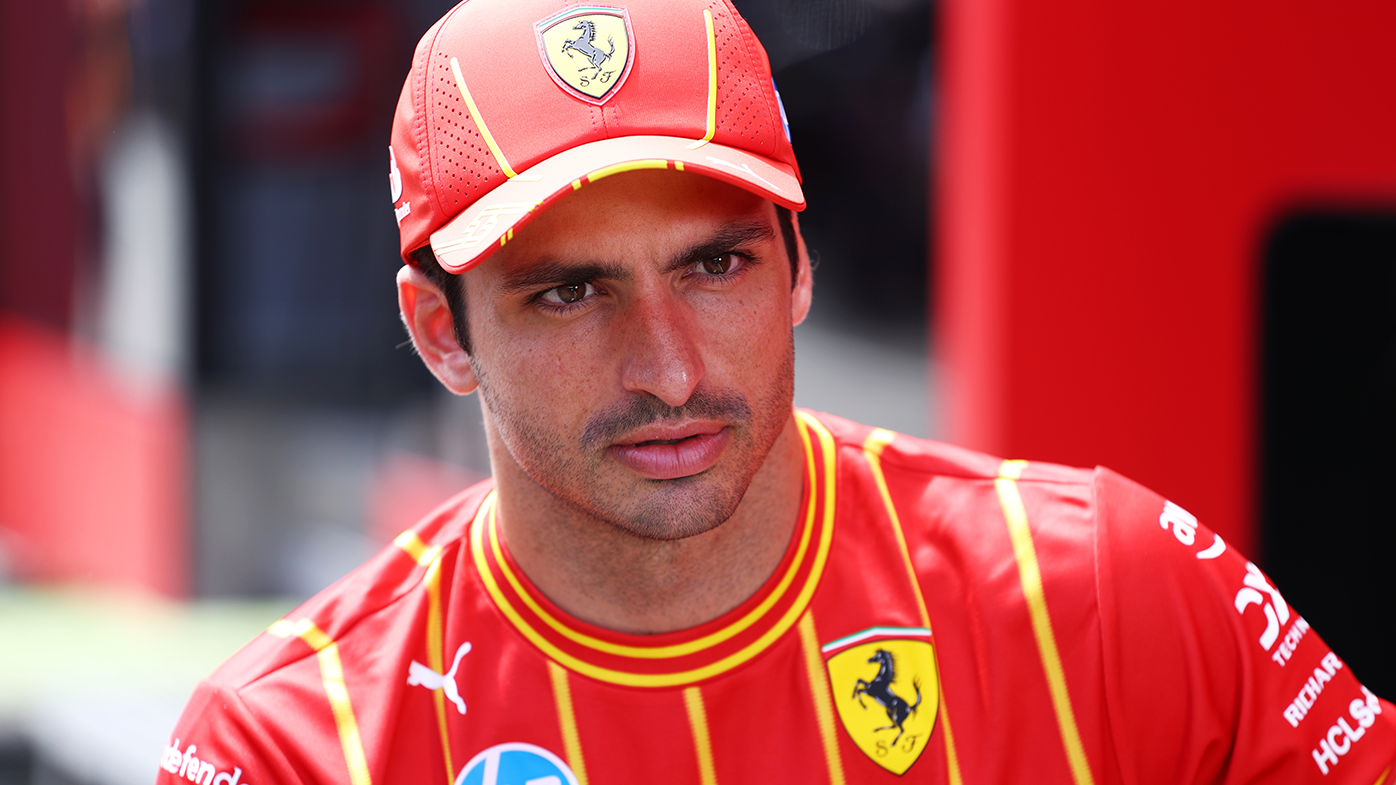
{"x":661,"y":350}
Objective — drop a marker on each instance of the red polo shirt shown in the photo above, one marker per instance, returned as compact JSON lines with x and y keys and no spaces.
{"x":939,"y":616}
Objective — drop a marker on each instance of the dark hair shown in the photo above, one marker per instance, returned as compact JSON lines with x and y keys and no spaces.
{"x":452,"y":286}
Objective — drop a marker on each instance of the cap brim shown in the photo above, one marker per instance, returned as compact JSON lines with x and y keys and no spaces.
{"x":488,"y":224}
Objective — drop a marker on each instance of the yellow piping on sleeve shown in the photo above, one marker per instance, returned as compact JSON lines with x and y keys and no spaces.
{"x":1030,"y":574}
{"x":436,"y":656}
{"x":413,"y":546}
{"x":332,"y":677}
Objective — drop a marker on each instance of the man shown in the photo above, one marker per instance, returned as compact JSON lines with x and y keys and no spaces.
{"x":673,"y":576}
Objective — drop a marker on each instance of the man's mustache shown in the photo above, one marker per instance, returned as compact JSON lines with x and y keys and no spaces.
{"x":643,"y":409}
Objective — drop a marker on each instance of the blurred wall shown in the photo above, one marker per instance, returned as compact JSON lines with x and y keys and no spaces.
{"x":1166,"y":247}
{"x":93,"y":262}
{"x":39,"y":205}
{"x":1109,"y":174}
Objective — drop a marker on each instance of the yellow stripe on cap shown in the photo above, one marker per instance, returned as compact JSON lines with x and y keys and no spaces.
{"x":480,"y":121}
{"x":628,"y":166}
{"x":712,"y":82}
{"x":1015,"y":514}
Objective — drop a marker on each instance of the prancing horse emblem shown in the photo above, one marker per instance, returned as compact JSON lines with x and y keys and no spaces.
{"x":880,"y":690}
{"x":587,"y":50}
{"x":585,"y":44}
{"x":905,"y":685}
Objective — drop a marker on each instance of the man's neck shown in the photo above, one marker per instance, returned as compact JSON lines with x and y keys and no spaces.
{"x":614,"y":579}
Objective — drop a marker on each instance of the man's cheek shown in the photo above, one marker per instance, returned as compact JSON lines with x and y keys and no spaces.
{"x":736,"y":336}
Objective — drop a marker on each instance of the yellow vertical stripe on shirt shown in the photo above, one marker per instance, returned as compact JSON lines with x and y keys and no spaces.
{"x":436,"y":656}
{"x":332,"y":677}
{"x":823,"y":707}
{"x":872,"y":449}
{"x":952,"y":759}
{"x":873,"y":446}
{"x":702,"y":744}
{"x":1382,"y":778}
{"x":1030,"y":574}
{"x":567,"y":720}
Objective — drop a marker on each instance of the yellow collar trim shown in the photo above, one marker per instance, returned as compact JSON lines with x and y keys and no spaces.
{"x":486,"y":517}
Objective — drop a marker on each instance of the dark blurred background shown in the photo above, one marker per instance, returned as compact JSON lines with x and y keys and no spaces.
{"x":208,"y":412}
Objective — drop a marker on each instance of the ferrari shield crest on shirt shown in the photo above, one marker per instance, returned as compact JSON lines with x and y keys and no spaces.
{"x":886,"y":692}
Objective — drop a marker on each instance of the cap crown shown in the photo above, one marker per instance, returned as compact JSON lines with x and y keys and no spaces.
{"x":447,"y":154}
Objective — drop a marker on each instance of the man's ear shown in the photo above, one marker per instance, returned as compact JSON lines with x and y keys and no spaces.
{"x":427,"y":317}
{"x":803,"y":292}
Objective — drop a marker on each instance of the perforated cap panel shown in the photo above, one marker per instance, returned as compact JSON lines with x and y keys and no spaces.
{"x":743,"y":110}
{"x":461,"y":162}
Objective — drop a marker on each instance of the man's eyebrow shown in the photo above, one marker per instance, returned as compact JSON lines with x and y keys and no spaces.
{"x":728,"y":238}
{"x":560,"y":273}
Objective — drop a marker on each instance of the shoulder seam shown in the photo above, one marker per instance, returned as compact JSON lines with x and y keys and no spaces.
{"x":890,"y":458}
{"x":340,"y":635}
{"x":256,"y":723}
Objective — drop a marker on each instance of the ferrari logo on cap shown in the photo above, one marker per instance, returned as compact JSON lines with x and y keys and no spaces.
{"x":587,"y":50}
{"x":886,"y":691}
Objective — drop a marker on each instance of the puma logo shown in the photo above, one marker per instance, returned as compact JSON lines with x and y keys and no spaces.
{"x":419,"y":675}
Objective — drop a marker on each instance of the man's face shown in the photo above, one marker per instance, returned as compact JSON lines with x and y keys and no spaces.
{"x":633,"y":345}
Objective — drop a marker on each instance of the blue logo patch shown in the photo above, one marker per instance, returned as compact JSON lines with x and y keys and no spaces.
{"x":516,"y":763}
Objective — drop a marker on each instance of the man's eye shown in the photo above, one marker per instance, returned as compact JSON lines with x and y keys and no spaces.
{"x":568,"y":293}
{"x":719,"y":264}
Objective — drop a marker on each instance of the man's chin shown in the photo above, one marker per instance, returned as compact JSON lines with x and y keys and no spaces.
{"x":667,"y":509}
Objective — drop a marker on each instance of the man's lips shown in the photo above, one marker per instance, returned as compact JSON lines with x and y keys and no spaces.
{"x":667,"y":453}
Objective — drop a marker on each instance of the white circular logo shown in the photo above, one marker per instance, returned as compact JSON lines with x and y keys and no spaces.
{"x":516,"y":763}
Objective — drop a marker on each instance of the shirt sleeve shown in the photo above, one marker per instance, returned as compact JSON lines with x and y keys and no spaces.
{"x":1211,"y":676}
{"x":218,"y":741}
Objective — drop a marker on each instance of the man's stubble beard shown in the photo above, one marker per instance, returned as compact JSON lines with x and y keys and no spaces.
{"x":575,"y":469}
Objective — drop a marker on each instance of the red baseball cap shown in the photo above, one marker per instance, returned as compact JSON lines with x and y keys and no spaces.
{"x":512,"y":104}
